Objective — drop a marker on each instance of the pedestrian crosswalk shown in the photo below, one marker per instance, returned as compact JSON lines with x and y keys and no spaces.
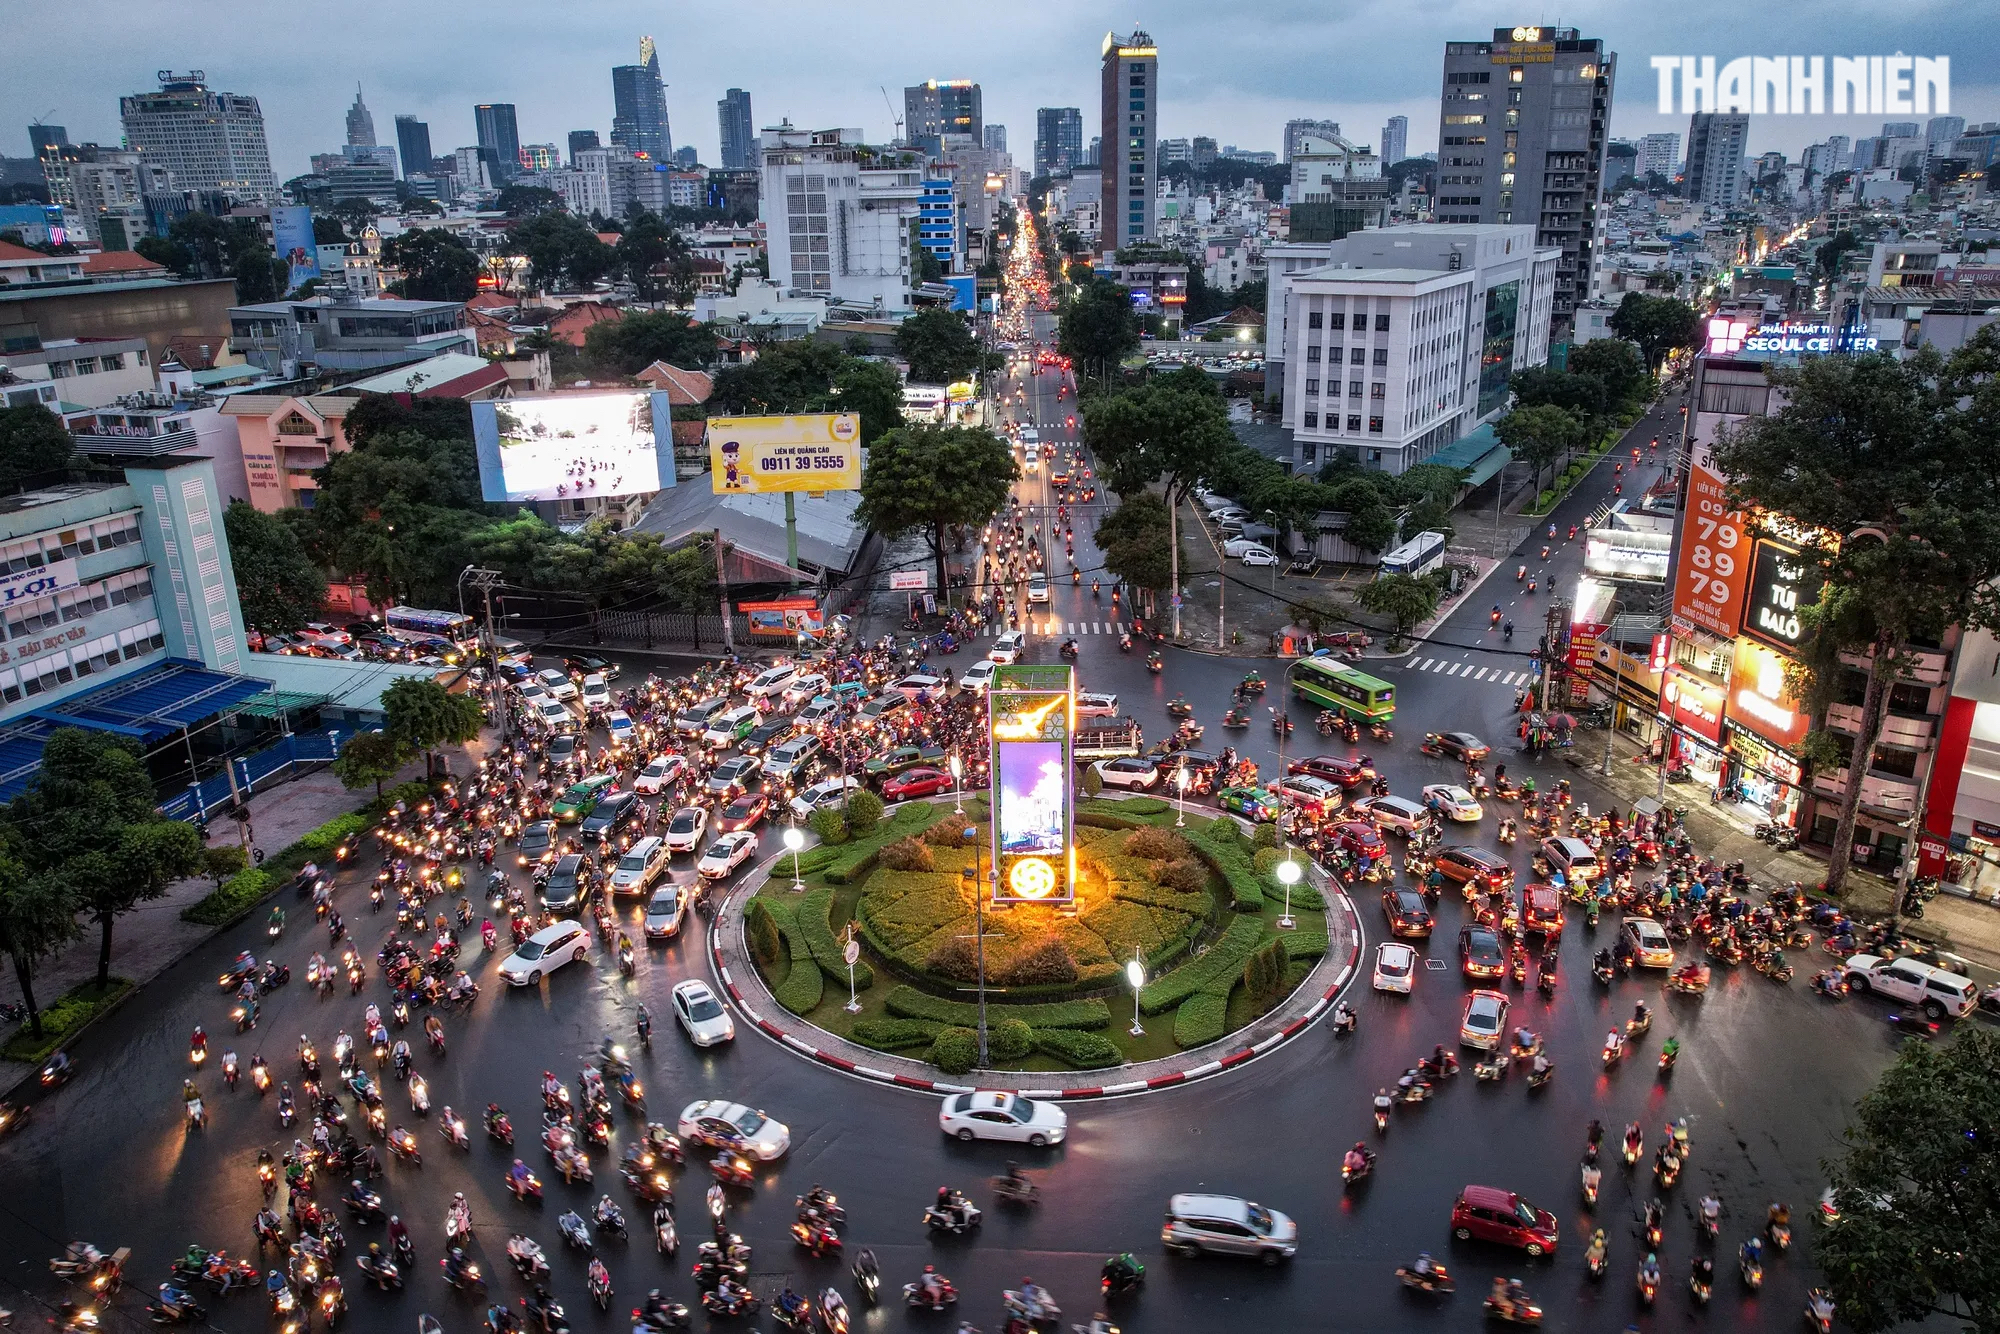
{"x":1047,"y":625}
{"x":1471,"y":671}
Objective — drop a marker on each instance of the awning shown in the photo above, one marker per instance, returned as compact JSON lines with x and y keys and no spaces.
{"x":1484,"y":470}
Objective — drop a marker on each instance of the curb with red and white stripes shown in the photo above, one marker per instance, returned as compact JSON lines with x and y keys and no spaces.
{"x":1130,"y":1088}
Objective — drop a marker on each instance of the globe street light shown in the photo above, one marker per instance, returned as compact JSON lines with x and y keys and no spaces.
{"x":795,"y":839}
{"x":1288,"y":875}
{"x":957,"y":792}
{"x":1181,"y":781}
{"x":1135,"y":973}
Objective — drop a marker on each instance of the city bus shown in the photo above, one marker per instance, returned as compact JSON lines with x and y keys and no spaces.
{"x":1420,"y":555}
{"x":415,"y":623}
{"x":1331,"y":684}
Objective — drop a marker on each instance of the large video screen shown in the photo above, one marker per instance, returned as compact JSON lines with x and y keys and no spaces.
{"x":573,"y":446}
{"x":1033,"y":788}
{"x":1031,"y":785}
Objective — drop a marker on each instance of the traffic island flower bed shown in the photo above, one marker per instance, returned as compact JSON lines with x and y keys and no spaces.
{"x":73,"y":1010}
{"x":1197,"y":904}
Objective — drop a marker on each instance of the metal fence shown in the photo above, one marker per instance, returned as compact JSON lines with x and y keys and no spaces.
{"x":655,"y":629}
{"x":244,"y":775}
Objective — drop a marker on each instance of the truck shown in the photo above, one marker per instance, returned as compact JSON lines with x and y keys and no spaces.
{"x":1106,"y":739}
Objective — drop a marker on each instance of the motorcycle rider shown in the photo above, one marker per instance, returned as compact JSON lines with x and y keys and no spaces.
{"x":1642,"y":1018}
{"x":730,"y":1292}
{"x":456,"y":1266}
{"x":1593,"y":1254}
{"x":1592,"y":1176}
{"x":1356,"y":1160}
{"x":1711,"y":1212}
{"x":1670,"y":1049}
{"x":931,"y":1285}
{"x":1649,"y":1270}
{"x":1506,"y":1296}
{"x":790,"y":1308}
{"x":1035,"y":1297}
{"x":952,"y":1205}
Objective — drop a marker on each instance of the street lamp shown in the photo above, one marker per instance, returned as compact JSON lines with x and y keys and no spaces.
{"x":1135,"y":973}
{"x":795,"y":839}
{"x":957,"y":792}
{"x":1611,"y":724}
{"x":1288,"y":875}
{"x":1181,"y":781}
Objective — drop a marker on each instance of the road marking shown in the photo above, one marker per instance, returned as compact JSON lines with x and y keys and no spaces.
{"x":1422,"y":666}
{"x":1454,"y":669}
{"x":1481,"y":676}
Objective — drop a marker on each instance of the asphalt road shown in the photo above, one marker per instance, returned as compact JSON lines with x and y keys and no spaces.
{"x":1766,"y":1078}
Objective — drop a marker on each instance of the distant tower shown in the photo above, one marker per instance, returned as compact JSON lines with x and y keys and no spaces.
{"x":639,"y":105}
{"x":360,"y":125}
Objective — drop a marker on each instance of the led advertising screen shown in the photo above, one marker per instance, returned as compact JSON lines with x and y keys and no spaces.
{"x":1031,"y":784}
{"x":573,"y":446}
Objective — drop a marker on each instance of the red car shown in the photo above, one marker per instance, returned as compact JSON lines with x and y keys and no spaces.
{"x":1348,"y":772}
{"x":1360,"y":837}
{"x":746,"y":812}
{"x":920,"y":782}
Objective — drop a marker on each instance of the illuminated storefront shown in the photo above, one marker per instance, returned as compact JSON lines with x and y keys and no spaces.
{"x":1762,"y":725}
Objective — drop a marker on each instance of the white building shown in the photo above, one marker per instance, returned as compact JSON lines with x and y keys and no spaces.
{"x":837,"y":215}
{"x":208,"y":140}
{"x":1404,"y":339}
{"x":86,"y":372}
{"x":1659,"y":153}
{"x":1325,"y":165}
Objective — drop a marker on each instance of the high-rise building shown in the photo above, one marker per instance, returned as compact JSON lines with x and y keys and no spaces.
{"x":360,"y":124}
{"x":1659,"y":153}
{"x":1395,"y":140}
{"x":1129,"y":117}
{"x":97,"y":187}
{"x":1842,"y":151}
{"x":208,"y":140}
{"x":739,"y":139}
{"x":996,"y":138}
{"x":1867,"y":153}
{"x":1058,"y":140}
{"x":639,"y":106}
{"x":1296,"y":130}
{"x":1095,"y":155}
{"x":42,"y":136}
{"x":413,"y":143}
{"x":1175,"y":150}
{"x":1715,"y":157}
{"x":1201,"y":151}
{"x":937,"y":107}
{"x":1941,"y":132}
{"x":1337,"y":188}
{"x":581,"y":141}
{"x":1899,"y":129}
{"x":499,"y":140}
{"x":837,"y":221}
{"x":1522,"y":139}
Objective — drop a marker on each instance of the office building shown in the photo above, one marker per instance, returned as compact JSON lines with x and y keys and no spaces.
{"x":581,"y":141}
{"x":1659,"y":154}
{"x":1901,"y":129}
{"x":639,"y":106}
{"x":1336,"y":188}
{"x":1296,"y":130}
{"x":938,"y":107}
{"x":1129,"y":118}
{"x":499,"y":140}
{"x":341,"y":333}
{"x":1058,"y":140}
{"x":1395,"y":140}
{"x":1403,"y":339}
{"x":996,"y":138}
{"x":107,"y":190}
{"x":1940,"y":133}
{"x":541,"y":157}
{"x":739,"y":139}
{"x":413,"y":144}
{"x":208,"y":140}
{"x":837,"y":220}
{"x":1175,"y":150}
{"x":469,"y":169}
{"x":360,"y":123}
{"x":1202,"y":151}
{"x":1522,"y":139}
{"x":939,"y":230}
{"x":42,"y":137}
{"x":1715,"y":157}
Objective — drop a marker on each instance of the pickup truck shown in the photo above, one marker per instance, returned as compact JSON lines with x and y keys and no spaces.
{"x":1106,"y":739}
{"x":901,"y":758}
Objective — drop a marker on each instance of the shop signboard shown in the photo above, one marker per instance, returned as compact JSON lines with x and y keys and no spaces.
{"x":1692,"y":704}
{"x":1780,"y":589}
{"x":1714,"y":565}
{"x":1758,"y":702}
{"x":785,"y":618}
{"x":1029,"y":713}
{"x":1583,"y":637}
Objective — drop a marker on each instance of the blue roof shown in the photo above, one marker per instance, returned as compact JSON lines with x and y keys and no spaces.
{"x":145,"y":705}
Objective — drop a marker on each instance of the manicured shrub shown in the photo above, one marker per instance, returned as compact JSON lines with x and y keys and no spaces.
{"x":1143,"y":806}
{"x":1265,"y":836}
{"x":909,"y":1003}
{"x":895,"y":1034}
{"x":1266,"y":859}
{"x":1104,"y":820}
{"x":804,"y":984}
{"x":1081,"y":1051}
{"x":815,"y":912}
{"x":333,"y":833}
{"x":1202,"y":1018}
{"x":1222,"y":964}
{"x":830,"y":823}
{"x":852,"y":864}
{"x":235,"y":896}
{"x":1093,"y":782}
{"x":949,"y":832}
{"x":1264,"y":974}
{"x":1045,"y":964}
{"x":1156,"y":845}
{"x":1307,"y":941}
{"x":1009,"y":1040}
{"x":760,"y":929}
{"x":1187,"y":875}
{"x":71,"y":1011}
{"x":864,"y":812}
{"x":953,"y":958}
{"x":955,"y":1050}
{"x":908,"y":855}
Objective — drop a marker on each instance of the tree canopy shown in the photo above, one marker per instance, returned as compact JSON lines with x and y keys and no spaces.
{"x":560,"y":249}
{"x":436,"y":265}
{"x":807,"y":376}
{"x":1096,"y":328}
{"x":1540,"y":434}
{"x":1617,"y":365}
{"x":1137,"y":542}
{"x":939,"y":346}
{"x":1405,"y":599}
{"x":1173,"y":429}
{"x":1657,"y":324}
{"x":928,"y":479}
{"x":201,"y":245}
{"x":33,"y":440}
{"x":276,"y":581}
{"x":421,"y":716}
{"x":644,"y":337}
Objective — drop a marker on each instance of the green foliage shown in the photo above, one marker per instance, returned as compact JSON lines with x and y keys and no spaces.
{"x":1202,"y":1018}
{"x":804,"y":984}
{"x":1157,"y":845}
{"x":369,"y":759}
{"x":1048,"y":963}
{"x":761,"y":933}
{"x":1658,"y":324}
{"x":33,"y":441}
{"x":1170,"y":430}
{"x":219,"y":861}
{"x":1093,"y":781}
{"x":1096,"y":328}
{"x":436,"y":265}
{"x":1264,"y":974}
{"x":1540,"y":433}
{"x":1187,"y":876}
{"x":525,"y":201}
{"x":1143,"y":806}
{"x":657,"y":259}
{"x":864,"y":812}
{"x":907,"y":1002}
{"x":939,"y":346}
{"x":278,"y":584}
{"x":955,"y":1050}
{"x":895,"y":1034}
{"x":644,"y":337}
{"x":1221,"y":845}
{"x":814,"y":916}
{"x":63,"y":1020}
{"x":1079,"y":1050}
{"x":929,"y":480}
{"x":910,"y":855}
{"x":237,"y":895}
{"x":1221,"y":965}
{"x":1009,"y":1040}
{"x":1405,"y":599}
{"x":1137,"y":541}
{"x":423,"y":715}
{"x":1618,"y":365}
{"x":830,"y":823}
{"x":1265,"y":836}
{"x":561,"y":249}
{"x":808,"y":376}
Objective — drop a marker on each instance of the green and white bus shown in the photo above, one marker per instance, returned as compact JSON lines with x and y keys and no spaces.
{"x":1332,"y":684}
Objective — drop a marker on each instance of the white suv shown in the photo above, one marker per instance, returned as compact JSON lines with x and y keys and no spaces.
{"x":1938,"y":993}
{"x":1007,"y":648}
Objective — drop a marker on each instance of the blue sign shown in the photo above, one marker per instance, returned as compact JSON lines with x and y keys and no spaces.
{"x":292,"y":237}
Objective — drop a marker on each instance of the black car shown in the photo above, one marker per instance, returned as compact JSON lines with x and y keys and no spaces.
{"x":1479,"y":952}
{"x":568,"y":888}
{"x":1203,"y":769}
{"x":586,"y":665}
{"x":1462,"y":863}
{"x":765,"y":735}
{"x":612,"y":816}
{"x":1407,"y":912}
{"x":1457,"y":745}
{"x":536,"y":839}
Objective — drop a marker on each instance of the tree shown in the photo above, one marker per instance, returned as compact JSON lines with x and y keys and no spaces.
{"x":1921,"y":1175}
{"x":1892,"y":471}
{"x":560,"y":247}
{"x":1264,"y":974}
{"x":645,"y":245}
{"x":423,"y":715}
{"x":1540,"y":434}
{"x":1617,"y":365}
{"x":260,"y":277}
{"x":38,"y":916}
{"x":1658,"y":324}
{"x":644,"y":337}
{"x":873,"y":390}
{"x":1171,"y":430}
{"x":1831,"y":251}
{"x":929,"y":479}
{"x":279,"y":586}
{"x":328,"y":230}
{"x":1096,"y":329}
{"x":33,"y":441}
{"x":1403,"y":598}
{"x":939,"y":346}
{"x":89,"y":822}
{"x":369,"y":757}
{"x":804,"y":376}
{"x":526,"y":201}
{"x":436,"y":265}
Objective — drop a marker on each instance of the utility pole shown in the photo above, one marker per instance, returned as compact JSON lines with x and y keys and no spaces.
{"x":484,"y":580}
{"x":1611,"y":726}
{"x":1222,"y":601}
{"x":722,"y":583}
{"x":1174,"y":559}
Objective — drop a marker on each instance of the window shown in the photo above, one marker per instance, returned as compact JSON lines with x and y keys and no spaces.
{"x":1354,"y":388}
{"x":59,"y":370}
{"x":1312,"y":421}
{"x":1337,"y":320}
{"x":1315,"y":320}
{"x":1357,"y":356}
{"x":1312,"y":353}
{"x":86,"y":365}
{"x":1382,"y":322}
{"x":1312,"y":386}
{"x":1353,"y":423}
{"x":1381,"y":356}
{"x":1378,"y":390}
{"x":1375,"y":425}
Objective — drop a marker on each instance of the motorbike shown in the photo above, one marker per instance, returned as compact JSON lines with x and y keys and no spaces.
{"x":575,"y":1231}
{"x":957,"y":1221}
{"x":1015,"y":1190}
{"x":734,"y":1304}
{"x":404,"y":1145}
{"x":599,"y":1283}
{"x":943,"y":1295}
{"x":174,"y":1307}
{"x":833,"y":1312}
{"x":665,"y":1239}
{"x":1037,"y":1310}
{"x":1353,"y":1173}
{"x":732,"y":1169}
{"x":1519,"y":1311}
{"x":381,"y":1271}
{"x":1437,"y":1280}
{"x":1649,"y":1285}
{"x":1121,"y":1274}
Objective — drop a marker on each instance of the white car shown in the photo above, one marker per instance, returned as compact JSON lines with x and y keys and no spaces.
{"x":802,"y":688}
{"x":1097,"y":706}
{"x":621,"y":727}
{"x":1453,"y":802}
{"x":822,"y":710}
{"x":772,"y":681}
{"x":829,"y":792}
{"x":532,"y":695}
{"x":1008,"y":647}
{"x":1258,"y":557}
{"x":920,"y":683}
{"x":701,"y":1014}
{"x":1237,"y":547}
{"x":732,"y":1126}
{"x":556,"y":682}
{"x":659,"y":774}
{"x":596,"y":692}
{"x":978,"y":676}
{"x":556,"y":714}
{"x":1395,"y":967}
{"x":664,"y":912}
{"x":789,"y":759}
{"x":1005,"y":1116}
{"x":545,"y":951}
{"x":726,"y":854}
{"x":1134,"y":771}
{"x":1038,"y":588}
{"x":684,"y":828}
{"x":1397,"y":813}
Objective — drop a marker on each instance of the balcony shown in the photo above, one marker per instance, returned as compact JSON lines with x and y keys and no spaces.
{"x":1930,"y":667}
{"x":1882,"y":795}
{"x":1903,"y":731}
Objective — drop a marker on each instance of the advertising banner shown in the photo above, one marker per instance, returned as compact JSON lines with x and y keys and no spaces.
{"x":292,"y":238}
{"x":1757,"y":699}
{"x":1582,"y":657}
{"x":909,"y":581}
{"x":758,"y":455}
{"x":56,"y":576}
{"x":1692,"y":703}
{"x":786,"y":618}
{"x":573,"y":446}
{"x":1714,"y":564}
{"x":1029,"y":717}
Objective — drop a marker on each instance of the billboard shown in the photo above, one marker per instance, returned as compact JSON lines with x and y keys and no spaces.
{"x":1030,"y":709}
{"x":1780,"y":588}
{"x":1758,"y":699}
{"x":1692,"y":704}
{"x":756,"y":455}
{"x":574,"y":446}
{"x":786,"y":618}
{"x":292,"y":238}
{"x":1714,"y":564}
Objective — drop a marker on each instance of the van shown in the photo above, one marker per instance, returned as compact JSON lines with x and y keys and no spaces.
{"x":639,"y":868}
{"x":1571,"y":856}
{"x":1484,"y":1213}
{"x":1937,"y":992}
{"x":772,"y":681}
{"x":786,"y":762}
{"x":729,"y":727}
{"x":1227,"y":1225}
{"x":695,"y":718}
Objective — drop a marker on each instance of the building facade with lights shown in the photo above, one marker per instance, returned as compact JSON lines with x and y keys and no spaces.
{"x":1129,"y":119}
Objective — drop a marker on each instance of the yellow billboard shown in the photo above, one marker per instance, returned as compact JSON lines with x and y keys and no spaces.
{"x":757,"y":455}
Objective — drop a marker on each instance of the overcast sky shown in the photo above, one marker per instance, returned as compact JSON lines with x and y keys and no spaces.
{"x":1236,"y":71}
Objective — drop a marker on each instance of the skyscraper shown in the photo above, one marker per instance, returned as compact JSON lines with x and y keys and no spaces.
{"x":937,"y":107}
{"x":360,"y":124}
{"x":1296,"y":130}
{"x":499,"y":141}
{"x":1129,"y":114}
{"x":996,"y":137}
{"x":1715,"y":157}
{"x":413,"y":142}
{"x":1395,"y":139}
{"x":208,"y":140}
{"x":1941,"y":132}
{"x":739,"y":140}
{"x":1522,"y":139}
{"x":1659,"y":153}
{"x":581,"y":141}
{"x":1058,"y":139}
{"x":639,"y":106}
{"x":47,"y":136}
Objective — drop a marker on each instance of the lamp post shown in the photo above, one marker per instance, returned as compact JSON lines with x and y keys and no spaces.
{"x":1181,"y":781}
{"x":1288,"y":875}
{"x":979,"y":933}
{"x":1135,"y":973}
{"x":795,"y":839}
{"x":957,"y":791}
{"x":1611,"y":724}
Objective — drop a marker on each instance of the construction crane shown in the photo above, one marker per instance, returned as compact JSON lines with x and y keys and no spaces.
{"x":887,"y":101}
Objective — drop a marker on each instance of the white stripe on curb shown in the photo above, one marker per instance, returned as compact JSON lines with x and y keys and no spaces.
{"x":1317,"y":1007}
{"x":1207,"y":1068}
{"x":791,"y":1041}
{"x":1341,"y":981}
{"x":1043,"y":1093}
{"x":874,"y":1074}
{"x":1261,"y":1047}
{"x":950,"y":1088}
{"x":1132,"y":1087}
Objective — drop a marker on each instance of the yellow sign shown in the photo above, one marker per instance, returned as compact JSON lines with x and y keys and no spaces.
{"x":963,"y":391}
{"x":759,"y":455}
{"x":1032,"y":878}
